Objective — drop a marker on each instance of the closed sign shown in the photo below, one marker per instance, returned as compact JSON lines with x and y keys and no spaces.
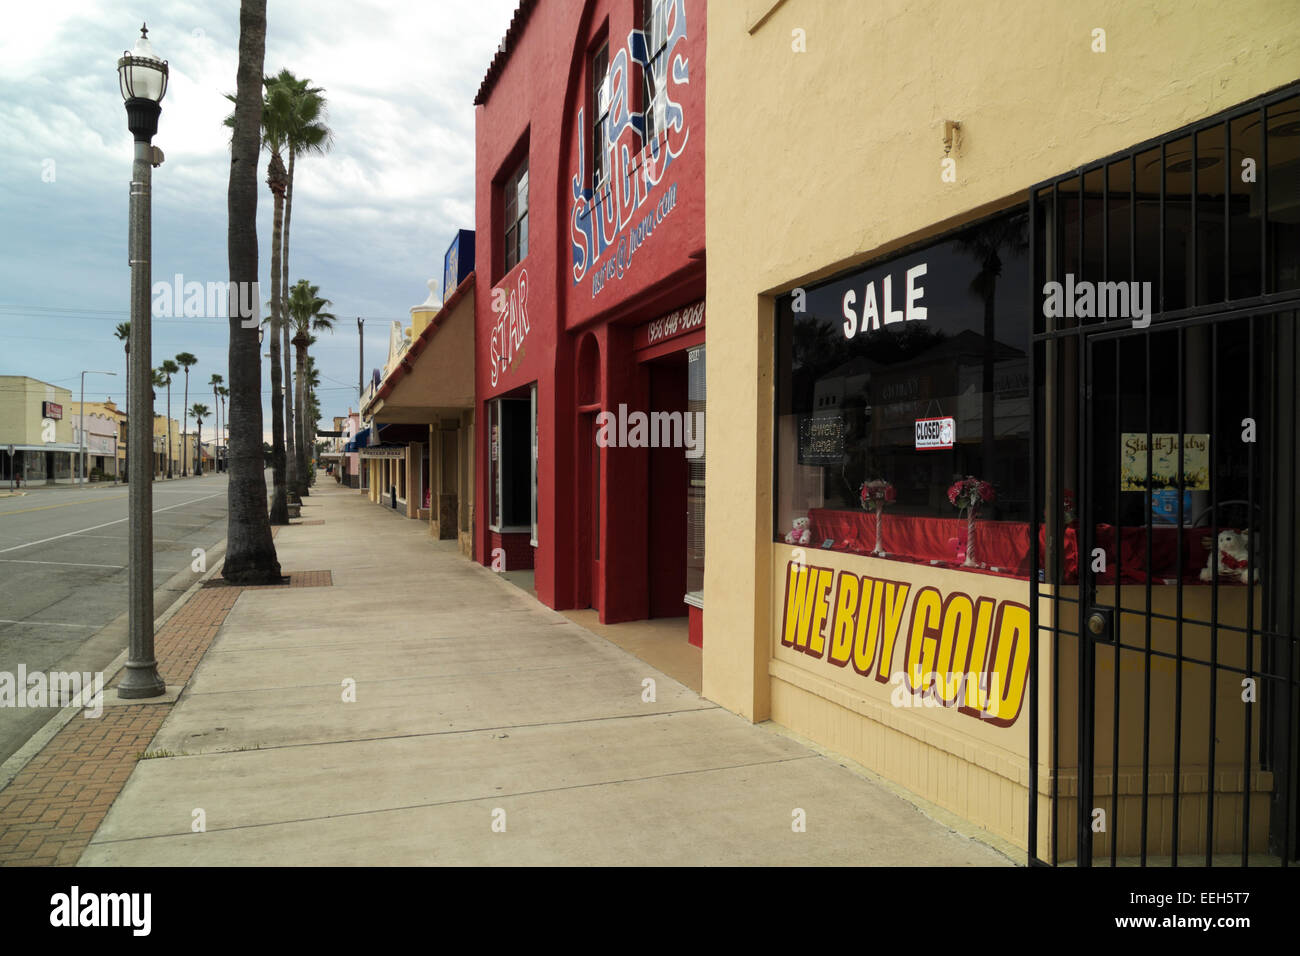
{"x":935,"y":432}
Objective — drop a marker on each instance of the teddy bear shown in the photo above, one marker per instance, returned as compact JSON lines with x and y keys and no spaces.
{"x":800,"y":533}
{"x":1233,"y":557}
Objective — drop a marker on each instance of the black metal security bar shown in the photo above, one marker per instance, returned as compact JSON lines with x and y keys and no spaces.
{"x":1166,"y":291}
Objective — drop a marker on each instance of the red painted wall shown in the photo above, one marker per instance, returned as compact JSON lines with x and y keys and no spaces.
{"x":597,"y":264}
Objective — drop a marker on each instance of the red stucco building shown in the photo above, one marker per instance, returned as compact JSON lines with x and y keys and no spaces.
{"x":590,"y":318}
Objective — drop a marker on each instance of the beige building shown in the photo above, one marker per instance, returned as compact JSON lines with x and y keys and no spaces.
{"x":162,"y":439}
{"x":901,"y":197}
{"x":37,"y":444}
{"x":105,"y":446}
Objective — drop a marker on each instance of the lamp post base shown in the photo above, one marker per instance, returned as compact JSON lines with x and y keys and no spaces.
{"x":142,"y":680}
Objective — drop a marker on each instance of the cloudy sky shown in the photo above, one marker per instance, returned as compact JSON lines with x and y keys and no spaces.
{"x":371,"y":219}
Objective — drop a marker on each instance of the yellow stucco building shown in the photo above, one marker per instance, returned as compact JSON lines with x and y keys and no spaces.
{"x":36,"y":435}
{"x":162,"y":437}
{"x":899,"y":194}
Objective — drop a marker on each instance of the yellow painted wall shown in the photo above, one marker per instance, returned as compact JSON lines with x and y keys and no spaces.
{"x":21,"y":399}
{"x":823,"y":159}
{"x":160,"y":431}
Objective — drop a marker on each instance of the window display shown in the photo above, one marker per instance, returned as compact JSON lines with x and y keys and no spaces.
{"x":895,"y":381}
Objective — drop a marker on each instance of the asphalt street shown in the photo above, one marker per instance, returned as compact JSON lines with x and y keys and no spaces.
{"x":64,"y":576}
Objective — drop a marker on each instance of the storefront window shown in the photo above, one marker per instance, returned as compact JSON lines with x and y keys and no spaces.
{"x":533,"y":415}
{"x":512,"y":477}
{"x":912,"y":372}
{"x":695,"y":405}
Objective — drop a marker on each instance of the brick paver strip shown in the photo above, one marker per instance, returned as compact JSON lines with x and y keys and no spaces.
{"x":51,"y":809}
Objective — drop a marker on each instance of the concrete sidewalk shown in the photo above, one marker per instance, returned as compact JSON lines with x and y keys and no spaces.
{"x":486,"y":729}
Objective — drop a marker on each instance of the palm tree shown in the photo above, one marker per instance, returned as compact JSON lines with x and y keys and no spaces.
{"x":216,"y":404}
{"x":313,"y":406}
{"x":305,"y":133}
{"x":223,"y":393}
{"x":307,"y":313}
{"x":185,"y":360}
{"x":199,"y":412}
{"x":158,"y":380}
{"x":250,"y":552}
{"x":276,"y":105}
{"x":123,"y":333}
{"x":168,"y":369}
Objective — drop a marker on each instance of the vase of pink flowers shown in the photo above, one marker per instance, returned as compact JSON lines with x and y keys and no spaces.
{"x":874,"y":495}
{"x":971,"y":493}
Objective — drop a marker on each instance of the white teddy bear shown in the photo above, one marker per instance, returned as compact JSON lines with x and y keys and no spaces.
{"x":1232,"y":556}
{"x":801,"y":533}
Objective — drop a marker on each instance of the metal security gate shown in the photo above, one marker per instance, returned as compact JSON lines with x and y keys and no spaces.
{"x":1165,"y":677}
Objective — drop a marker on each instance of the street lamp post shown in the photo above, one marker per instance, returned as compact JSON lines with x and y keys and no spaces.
{"x":81,"y":454}
{"x":143,"y":81}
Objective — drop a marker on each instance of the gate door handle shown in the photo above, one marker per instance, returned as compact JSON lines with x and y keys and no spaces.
{"x":1100,"y":624}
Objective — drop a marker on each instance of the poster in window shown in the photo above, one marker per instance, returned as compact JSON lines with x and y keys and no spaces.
{"x":821,"y":440}
{"x":1164,"y":461}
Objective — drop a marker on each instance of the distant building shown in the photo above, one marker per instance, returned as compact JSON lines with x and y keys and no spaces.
{"x":37,"y":445}
{"x":105,"y":444}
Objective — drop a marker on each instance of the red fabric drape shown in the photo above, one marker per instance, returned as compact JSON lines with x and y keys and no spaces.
{"x":1004,"y":545}
{"x":1132,"y":560}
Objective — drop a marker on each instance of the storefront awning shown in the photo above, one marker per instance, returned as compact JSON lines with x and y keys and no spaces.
{"x":358,"y":441}
{"x":435,"y":378}
{"x":52,"y":446}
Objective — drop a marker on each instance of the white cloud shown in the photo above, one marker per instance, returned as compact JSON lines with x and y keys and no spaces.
{"x":370,"y":220}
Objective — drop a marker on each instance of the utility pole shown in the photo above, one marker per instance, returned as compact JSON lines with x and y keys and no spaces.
{"x":361,"y":357}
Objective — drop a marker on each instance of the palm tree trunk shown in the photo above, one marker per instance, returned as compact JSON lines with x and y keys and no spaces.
{"x":169,"y":429}
{"x":216,"y":441}
{"x":250,"y":552}
{"x":296,"y":480}
{"x":279,"y":498}
{"x":185,"y":425}
{"x":291,"y":428}
{"x":126,"y":409}
{"x":304,"y":414}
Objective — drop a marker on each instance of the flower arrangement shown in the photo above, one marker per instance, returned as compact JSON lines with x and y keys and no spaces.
{"x":970,"y":493}
{"x":1069,"y":509}
{"x":874,"y":495}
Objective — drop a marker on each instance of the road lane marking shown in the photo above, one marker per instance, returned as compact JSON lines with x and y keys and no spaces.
{"x":91,"y":627}
{"x":66,"y":504}
{"x":78,"y":564}
{"x":106,"y":524}
{"x":66,"y":564}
